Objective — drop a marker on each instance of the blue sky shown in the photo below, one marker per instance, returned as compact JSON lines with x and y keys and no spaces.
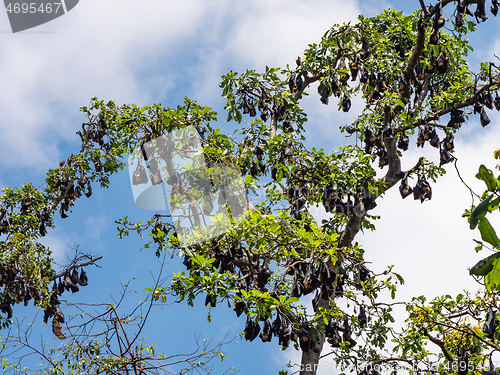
{"x":160,"y":51}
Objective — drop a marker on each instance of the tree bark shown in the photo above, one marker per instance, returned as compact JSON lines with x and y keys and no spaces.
{"x":310,"y":360}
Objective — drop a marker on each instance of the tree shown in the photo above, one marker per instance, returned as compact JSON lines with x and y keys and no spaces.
{"x":410,"y":73}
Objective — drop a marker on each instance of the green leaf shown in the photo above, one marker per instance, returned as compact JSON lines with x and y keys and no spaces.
{"x":291,"y":300}
{"x":479,"y":212}
{"x":488,"y":233}
{"x":494,"y":204}
{"x":484,"y":266}
{"x":486,"y":175}
{"x":435,"y":49}
{"x":492,"y":279}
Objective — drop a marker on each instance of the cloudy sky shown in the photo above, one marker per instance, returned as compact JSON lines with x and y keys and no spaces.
{"x":160,"y":51}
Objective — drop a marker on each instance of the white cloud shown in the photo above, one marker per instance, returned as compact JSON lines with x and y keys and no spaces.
{"x":144,"y":51}
{"x":138,"y":52}
{"x":58,"y":245}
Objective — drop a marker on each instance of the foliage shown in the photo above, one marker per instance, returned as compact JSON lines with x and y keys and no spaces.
{"x":410,"y":74}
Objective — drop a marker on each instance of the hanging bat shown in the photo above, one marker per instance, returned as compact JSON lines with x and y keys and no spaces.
{"x":267,"y":333}
{"x":289,"y":270}
{"x":97,"y":164}
{"x":310,"y":280}
{"x":263,"y":275}
{"x":346,"y":105}
{"x":276,"y":328}
{"x":89,"y":190}
{"x":84,"y":281}
{"x":62,"y":213}
{"x":387,"y":130}
{"x":364,"y":273}
{"x":155,"y":172}
{"x":324,"y":93}
{"x":343,"y":76}
{"x":460,"y":6}
{"x":480,"y":11}
{"x":52,"y":308}
{"x":296,"y":286}
{"x":187,"y":262}
{"x":6,"y":308}
{"x":333,"y":335}
{"x":419,"y":71}
{"x":334,"y":84}
{"x":285,"y":334}
{"x":402,"y":83}
{"x":287,"y":126}
{"x":324,"y":273}
{"x":60,"y":287}
{"x":355,"y":67}
{"x":54,"y":288}
{"x":488,"y":100}
{"x":459,"y":20}
{"x":478,"y":105}
{"x":58,"y":315}
{"x":434,"y":38}
{"x":492,"y":370}
{"x":315,"y":301}
{"x":364,"y":77}
{"x":28,"y":295}
{"x":42,"y":229}
{"x":445,"y":157}
{"x":264,"y":114}
{"x":251,"y":330}
{"x":418,"y":91}
{"x":380,"y":83}
{"x":365,"y":49}
{"x":484,"y":119}
{"x":305,"y":340}
{"x":362,"y":317}
{"x":456,"y":118}
{"x":49,"y":311}
{"x":368,"y":199}
{"x":210,"y":300}
{"x":239,"y":307}
{"x":434,"y":141}
{"x":57,"y":330}
{"x":331,"y":328}
{"x":448,"y":143}
{"x":491,"y":324}
{"x":103,"y":124}
{"x":74,"y":277}
{"x":251,"y":111}
{"x":496,"y":102}
{"x":140,"y":175}
{"x":422,"y":190}
{"x":494,"y":7}
{"x":383,"y":158}
{"x":68,"y":284}
{"x":254,"y":170}
{"x":25,"y":206}
{"x":339,"y":287}
{"x":244,"y":105}
{"x":442,"y":63}
{"x":420,"y":138}
{"x":292,"y":82}
{"x":438,"y":20}
{"x":403,"y":142}
{"x":372,"y":80}
{"x":462,"y":362}
{"x":347,"y":334}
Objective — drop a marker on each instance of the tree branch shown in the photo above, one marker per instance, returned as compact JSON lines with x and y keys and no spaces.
{"x":440,"y":344}
{"x":91,"y":261}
